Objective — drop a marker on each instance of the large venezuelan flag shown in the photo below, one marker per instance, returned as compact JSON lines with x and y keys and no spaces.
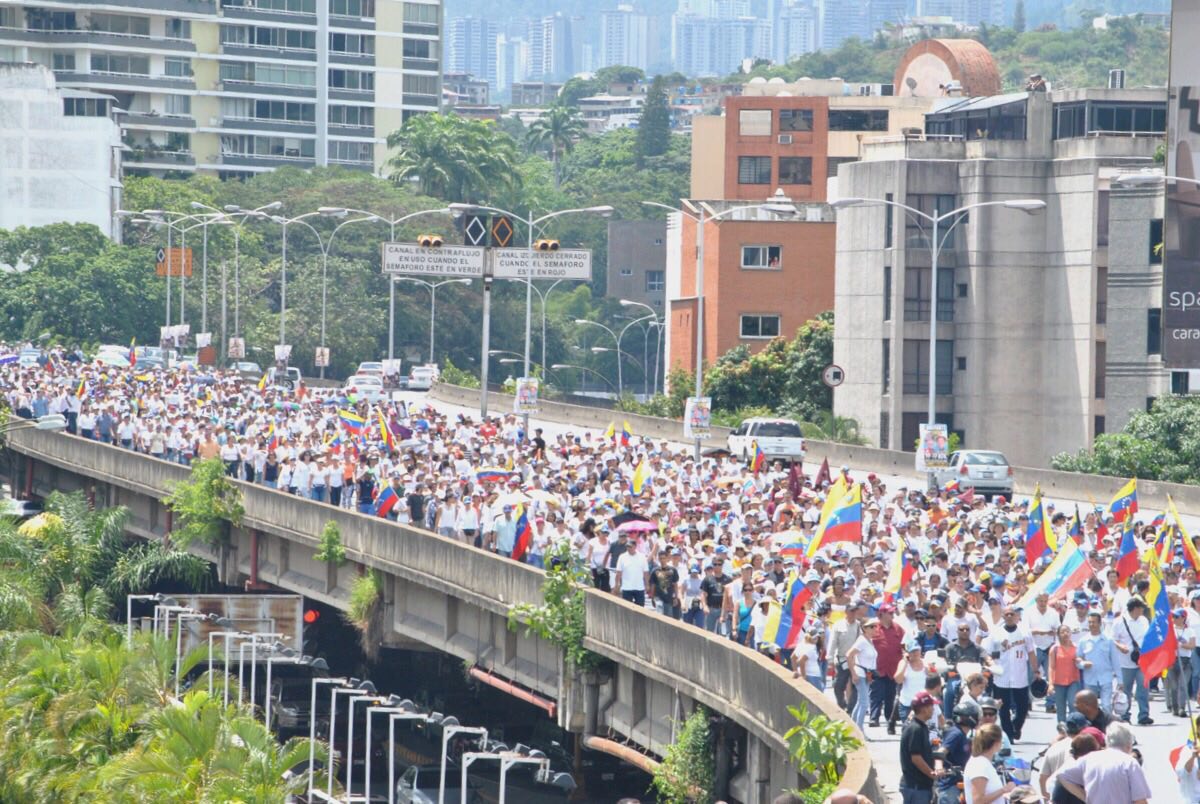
{"x":1125,"y":504}
{"x":1038,"y":539}
{"x":1127,"y":554}
{"x":524,"y":537}
{"x":1189,"y":547}
{"x":1160,"y":646}
{"x":1068,"y":571}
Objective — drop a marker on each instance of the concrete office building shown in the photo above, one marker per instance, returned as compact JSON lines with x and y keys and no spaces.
{"x":471,"y":48}
{"x":795,"y":32}
{"x":636,"y":255}
{"x":242,"y":86}
{"x":717,"y":46}
{"x":60,"y":152}
{"x":1049,"y":325}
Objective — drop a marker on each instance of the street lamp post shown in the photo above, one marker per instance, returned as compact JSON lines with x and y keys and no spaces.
{"x":935,"y":220}
{"x":562,"y":366}
{"x":779,"y":205}
{"x":433,"y":286}
{"x":531,"y":223}
{"x":657,"y":322}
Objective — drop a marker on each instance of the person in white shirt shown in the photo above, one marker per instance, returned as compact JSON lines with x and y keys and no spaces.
{"x":633,"y":576}
{"x":981,"y":782}
{"x":1128,"y":633}
{"x":1013,"y":662}
{"x":1042,"y":622}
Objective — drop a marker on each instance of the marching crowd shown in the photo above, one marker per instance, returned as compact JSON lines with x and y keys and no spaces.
{"x":926,"y":611}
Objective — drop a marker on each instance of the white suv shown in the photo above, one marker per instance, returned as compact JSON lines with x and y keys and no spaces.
{"x":779,"y":439}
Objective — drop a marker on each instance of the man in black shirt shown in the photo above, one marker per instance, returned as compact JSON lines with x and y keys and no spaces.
{"x":539,"y":444}
{"x":1088,"y":705}
{"x":416,"y":507}
{"x":960,"y":650}
{"x":665,"y":580}
{"x":916,"y":753}
{"x":712,"y":588}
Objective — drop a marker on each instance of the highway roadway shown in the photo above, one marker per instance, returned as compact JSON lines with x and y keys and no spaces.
{"x":1155,"y":742}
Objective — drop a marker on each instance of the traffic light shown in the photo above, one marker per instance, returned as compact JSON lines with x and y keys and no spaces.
{"x":429,"y":241}
{"x":311,"y":616}
{"x":545,"y":245}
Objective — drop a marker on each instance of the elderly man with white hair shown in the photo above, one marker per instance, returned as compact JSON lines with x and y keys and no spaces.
{"x":1110,"y":776}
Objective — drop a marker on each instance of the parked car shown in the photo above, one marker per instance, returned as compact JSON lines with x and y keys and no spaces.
{"x":779,"y":439}
{"x":290,"y":704}
{"x":372,"y":367}
{"x":986,"y":471}
{"x":419,"y":785}
{"x":422,"y":378}
{"x":289,"y":378}
{"x":248,"y":369}
{"x":365,"y":386}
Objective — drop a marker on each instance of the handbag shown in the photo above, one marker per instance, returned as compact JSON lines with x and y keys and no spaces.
{"x":1134,"y":653}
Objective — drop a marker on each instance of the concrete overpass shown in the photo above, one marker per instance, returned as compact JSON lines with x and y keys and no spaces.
{"x":455,"y":598}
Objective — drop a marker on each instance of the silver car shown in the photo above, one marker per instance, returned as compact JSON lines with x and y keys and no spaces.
{"x":986,"y":471}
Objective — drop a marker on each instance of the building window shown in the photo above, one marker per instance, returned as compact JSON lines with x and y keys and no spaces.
{"x":39,"y":19}
{"x":916,"y":294}
{"x":1101,"y":295}
{"x":754,"y":170}
{"x":886,"y":369}
{"x":795,"y":170}
{"x":63,"y":62}
{"x":420,"y":49}
{"x":887,"y":221}
{"x":626,"y":272}
{"x":655,"y":281}
{"x":85,"y":107}
{"x":178,"y":29}
{"x":285,"y":111}
{"x":356,"y":44}
{"x":1154,"y":331}
{"x":179,"y":105}
{"x":754,"y":122}
{"x":885,"y":426}
{"x":887,"y":293}
{"x":359,"y":153}
{"x":1101,"y":367}
{"x":421,"y":12}
{"x":858,"y":119}
{"x":760,"y":326}
{"x":795,"y":120}
{"x":917,"y":231}
{"x":177,"y":68}
{"x":762,"y":258}
{"x":357,"y":116}
{"x":916,"y":367}
{"x":1097,"y":426}
{"x":1180,"y":382}
{"x":1129,"y":118}
{"x":833,"y":162}
{"x":420,"y":84}
{"x":1070,"y":120}
{"x":1156,"y":241}
{"x":120,"y":64}
{"x":355,"y":80}
{"x":352,"y":8}
{"x":1102,"y":218}
{"x":120,"y":24}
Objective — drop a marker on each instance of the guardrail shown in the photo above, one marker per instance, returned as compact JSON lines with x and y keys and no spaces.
{"x":739,"y":684}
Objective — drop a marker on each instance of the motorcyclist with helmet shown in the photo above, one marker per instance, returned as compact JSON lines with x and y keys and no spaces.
{"x":956,"y":750}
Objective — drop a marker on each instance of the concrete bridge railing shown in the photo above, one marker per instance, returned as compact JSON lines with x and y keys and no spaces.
{"x":455,"y":598}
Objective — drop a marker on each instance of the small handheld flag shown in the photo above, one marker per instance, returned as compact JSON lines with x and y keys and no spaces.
{"x":626,"y":433}
{"x":758,"y":458}
{"x":1124,"y":505}
{"x":386,"y":501}
{"x":133,"y":353}
{"x":524,"y":535}
{"x":81,"y":391}
{"x":1160,"y":645}
{"x":1189,"y":547}
{"x":611,"y":432}
{"x":640,"y":475}
{"x":1127,"y":554}
{"x":262,"y":382}
{"x":385,"y":433}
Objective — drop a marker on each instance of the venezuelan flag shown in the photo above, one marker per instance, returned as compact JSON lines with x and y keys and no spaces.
{"x":1125,"y":503}
{"x":951,"y":487}
{"x":1038,"y":539}
{"x":845,"y":523}
{"x":491,"y":474}
{"x":1127,"y":554}
{"x":1068,"y":571}
{"x":904,"y":567}
{"x":262,"y":382}
{"x":386,"y":501}
{"x":610,"y":434}
{"x":1160,"y":646}
{"x":524,"y":538}
{"x":793,"y":549}
{"x":791,"y":618}
{"x":626,"y":433}
{"x":758,"y":459}
{"x":640,"y":476}
{"x":1076,"y":531}
{"x":834,"y":496}
{"x":272,"y":439}
{"x":133,"y":353}
{"x":1189,"y":547}
{"x":385,"y":432}
{"x":352,"y":421}
{"x":81,"y":391}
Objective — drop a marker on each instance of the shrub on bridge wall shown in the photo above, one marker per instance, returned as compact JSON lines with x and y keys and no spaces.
{"x":819,"y":747}
{"x":331,"y":549}
{"x":206,"y":505}
{"x":561,"y":618}
{"x":364,"y":611}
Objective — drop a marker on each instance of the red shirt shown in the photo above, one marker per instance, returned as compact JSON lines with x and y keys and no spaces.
{"x":889,"y":644}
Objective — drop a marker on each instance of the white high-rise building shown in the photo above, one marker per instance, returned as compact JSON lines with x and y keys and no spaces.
{"x":471,"y":48}
{"x":626,"y":37}
{"x":712,"y":46}
{"x":242,"y":86}
{"x":512,"y":61}
{"x":795,"y":32}
{"x":552,"y":50}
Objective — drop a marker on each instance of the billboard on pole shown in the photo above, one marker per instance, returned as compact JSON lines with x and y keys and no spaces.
{"x":409,"y":258}
{"x":1180,"y":246}
{"x":522,"y":263}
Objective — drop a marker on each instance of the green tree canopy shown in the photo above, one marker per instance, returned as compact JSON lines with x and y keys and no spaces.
{"x":1158,"y":444}
{"x":453,"y":157}
{"x":654,"y":127}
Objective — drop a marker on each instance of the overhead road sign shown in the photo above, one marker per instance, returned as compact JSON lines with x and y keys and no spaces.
{"x":520,"y":263}
{"x":410,"y":258}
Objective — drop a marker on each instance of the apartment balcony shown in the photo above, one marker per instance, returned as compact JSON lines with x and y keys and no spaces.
{"x":423,"y":65}
{"x":155,"y":120}
{"x":341,"y":93}
{"x":271,"y":125}
{"x":268,"y":52}
{"x":351,"y":23}
{"x":421,"y":100}
{"x":353,"y":165}
{"x":253,"y":89}
{"x":352,"y":59}
{"x":111,"y":41}
{"x":147,"y":83}
{"x":421,"y":28}
{"x":342,"y":130}
{"x":190,"y":8}
{"x":157,"y":159}
{"x":266,"y":160}
{"x":251,"y":14}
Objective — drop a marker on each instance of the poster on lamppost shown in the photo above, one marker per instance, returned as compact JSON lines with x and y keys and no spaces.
{"x":697,"y":418}
{"x":933,"y":451}
{"x":526,"y":400}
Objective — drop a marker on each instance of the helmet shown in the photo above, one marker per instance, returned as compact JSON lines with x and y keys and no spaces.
{"x":1038,"y":688}
{"x":967,"y":714}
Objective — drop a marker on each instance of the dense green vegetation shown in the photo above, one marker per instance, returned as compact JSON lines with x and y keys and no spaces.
{"x":1067,"y":58}
{"x":1158,"y":444}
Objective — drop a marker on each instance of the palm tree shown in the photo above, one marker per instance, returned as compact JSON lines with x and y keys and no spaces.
{"x":556,"y":131}
{"x":453,"y":158}
{"x":838,"y":429}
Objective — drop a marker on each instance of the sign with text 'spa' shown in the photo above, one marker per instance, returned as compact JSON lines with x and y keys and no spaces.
{"x":410,"y":259}
{"x":520,"y":263}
